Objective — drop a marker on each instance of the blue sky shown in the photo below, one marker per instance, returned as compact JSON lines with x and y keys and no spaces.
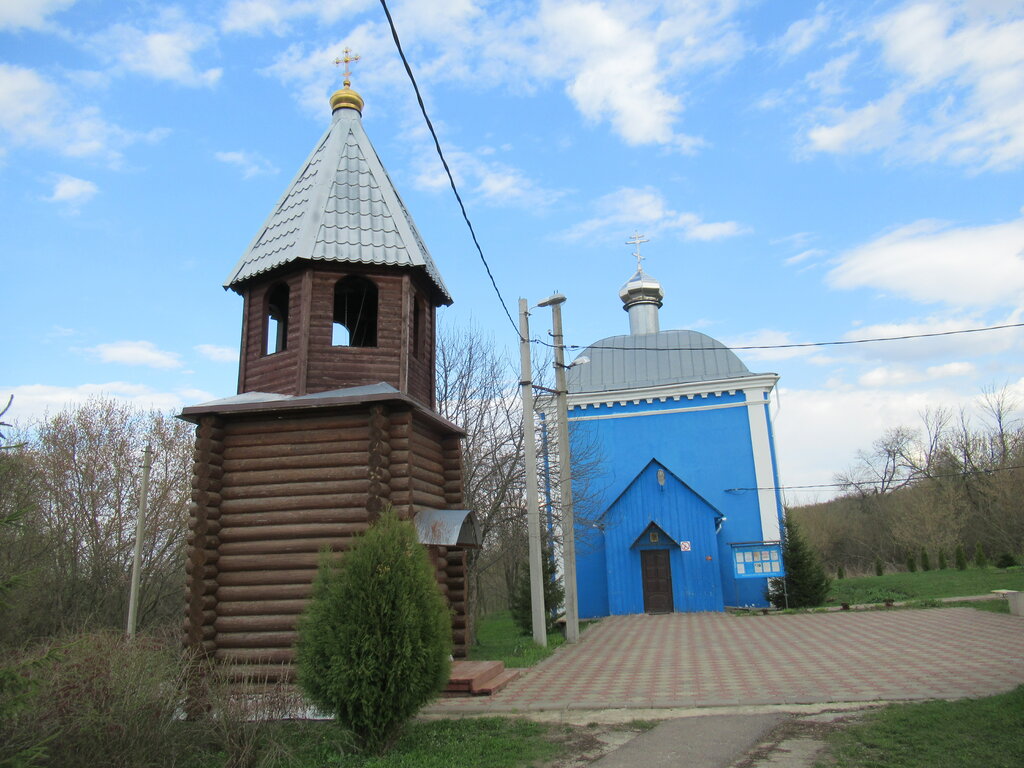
{"x":804,"y":171}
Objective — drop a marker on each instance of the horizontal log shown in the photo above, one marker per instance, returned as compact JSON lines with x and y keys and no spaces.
{"x":353,"y":514}
{"x":199,"y":617}
{"x":255,"y":655}
{"x":200,"y":571}
{"x":280,"y":504}
{"x":429,"y":500}
{"x":255,"y":623}
{"x":427,"y":475}
{"x":205,"y":473}
{"x":453,"y":475}
{"x":203,"y":601}
{"x":354,"y":456}
{"x":259,"y":426}
{"x":295,"y":531}
{"x":261,"y":607}
{"x":200,"y":586}
{"x":205,"y":498}
{"x":355,"y":469}
{"x":295,"y":577}
{"x":293,"y":561}
{"x":285,"y":546}
{"x":257,"y":639}
{"x":247,"y":594}
{"x":284,"y":438}
{"x":459,"y":636}
{"x":277,"y":490}
{"x":359,"y":444}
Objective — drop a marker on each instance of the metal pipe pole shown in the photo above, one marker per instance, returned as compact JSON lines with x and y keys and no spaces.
{"x":572,"y":617}
{"x":538,"y":614}
{"x":133,"y":597}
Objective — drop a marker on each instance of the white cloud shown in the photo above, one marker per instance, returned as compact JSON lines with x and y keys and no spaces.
{"x":996,"y":344}
{"x":767,"y":337}
{"x":810,"y":253}
{"x":164,"y":51}
{"x":258,"y":16}
{"x":930,"y":261}
{"x":35,"y":113}
{"x":29,"y":14}
{"x":829,"y":79}
{"x":251,"y":163}
{"x":628,"y":207}
{"x":33,"y":401}
{"x":954,"y":90}
{"x":136,"y":353}
{"x":802,"y":34}
{"x":218,"y":354}
{"x":902,"y":375}
{"x":71,"y":190}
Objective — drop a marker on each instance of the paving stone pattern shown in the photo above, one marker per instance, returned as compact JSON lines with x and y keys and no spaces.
{"x":713,"y":659}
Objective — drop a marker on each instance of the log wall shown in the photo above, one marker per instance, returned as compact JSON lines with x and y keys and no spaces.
{"x":270,"y":493}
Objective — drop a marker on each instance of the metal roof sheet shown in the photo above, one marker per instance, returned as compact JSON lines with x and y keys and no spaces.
{"x":340,"y":207}
{"x":652,"y":359}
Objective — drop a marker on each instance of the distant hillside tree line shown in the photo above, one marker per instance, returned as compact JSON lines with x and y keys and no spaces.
{"x":950,"y":483}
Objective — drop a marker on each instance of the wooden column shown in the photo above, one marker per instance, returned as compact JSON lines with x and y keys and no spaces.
{"x":379,"y":494}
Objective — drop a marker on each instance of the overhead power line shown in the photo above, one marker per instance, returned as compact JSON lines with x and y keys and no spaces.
{"x":859,"y":483}
{"x":795,"y":345}
{"x":447,"y":170}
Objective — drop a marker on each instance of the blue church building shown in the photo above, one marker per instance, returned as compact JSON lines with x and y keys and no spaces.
{"x":682,"y":498}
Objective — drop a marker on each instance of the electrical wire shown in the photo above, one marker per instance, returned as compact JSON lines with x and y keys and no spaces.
{"x":447,"y":170}
{"x":860,"y":483}
{"x":788,"y":346}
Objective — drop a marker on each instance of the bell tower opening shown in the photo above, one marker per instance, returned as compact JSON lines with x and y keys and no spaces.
{"x":275,"y":321}
{"x":355,"y":313}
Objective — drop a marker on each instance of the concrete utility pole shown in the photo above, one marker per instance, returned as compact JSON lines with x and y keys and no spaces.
{"x":572,"y":618}
{"x":140,"y":525}
{"x":540,"y":629}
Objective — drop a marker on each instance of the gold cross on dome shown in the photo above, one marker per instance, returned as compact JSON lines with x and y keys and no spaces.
{"x":346,"y":59}
{"x":636,"y":239}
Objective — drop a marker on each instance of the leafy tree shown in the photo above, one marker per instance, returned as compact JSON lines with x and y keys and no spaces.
{"x":979,"y":556}
{"x":943,"y":565}
{"x":1006,"y":560}
{"x":926,"y":564}
{"x":805,"y":583}
{"x":375,"y":644}
{"x":911,"y":563}
{"x":961,"y":558}
{"x":879,"y":568}
{"x":840,"y":573}
{"x":521,"y":603}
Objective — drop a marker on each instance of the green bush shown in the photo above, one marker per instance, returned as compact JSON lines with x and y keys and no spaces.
{"x":926,"y":564}
{"x":99,"y":700}
{"x":979,"y":556}
{"x":879,"y":568}
{"x":375,"y":644}
{"x":521,"y":602}
{"x":943,"y":565}
{"x":805,"y":584}
{"x":961,"y":558}
{"x":911,"y":564}
{"x":840,"y":573}
{"x":1006,"y":560}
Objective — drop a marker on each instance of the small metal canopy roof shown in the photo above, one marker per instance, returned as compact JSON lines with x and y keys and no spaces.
{"x":655,"y":527}
{"x":447,"y":527}
{"x":340,"y":207}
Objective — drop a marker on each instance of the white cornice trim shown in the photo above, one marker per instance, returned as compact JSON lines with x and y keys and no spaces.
{"x":763,"y":382}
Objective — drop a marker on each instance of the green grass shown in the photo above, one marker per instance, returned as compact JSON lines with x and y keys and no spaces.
{"x":498,"y":639}
{"x":470,"y":743}
{"x":982,"y":733}
{"x":925,"y":584}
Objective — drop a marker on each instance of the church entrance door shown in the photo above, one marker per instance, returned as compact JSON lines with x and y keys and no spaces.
{"x":656,"y":574}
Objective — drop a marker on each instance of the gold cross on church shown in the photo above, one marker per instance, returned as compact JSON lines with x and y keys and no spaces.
{"x":636,"y":239}
{"x":346,"y":59}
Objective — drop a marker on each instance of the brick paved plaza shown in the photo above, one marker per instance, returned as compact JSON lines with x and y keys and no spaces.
{"x":715,"y":659}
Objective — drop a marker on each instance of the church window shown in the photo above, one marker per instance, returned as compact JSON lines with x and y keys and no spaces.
{"x":355,"y":313}
{"x":275,"y":323}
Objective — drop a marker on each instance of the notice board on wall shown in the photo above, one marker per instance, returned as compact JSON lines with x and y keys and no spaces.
{"x":757,"y":559}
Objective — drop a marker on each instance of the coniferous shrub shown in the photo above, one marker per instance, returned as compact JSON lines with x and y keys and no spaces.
{"x":879,"y":568}
{"x":521,"y":603}
{"x":1006,"y":560}
{"x":840,"y":572}
{"x":979,"y":556}
{"x":911,"y":564}
{"x":943,"y":565}
{"x":805,"y":583}
{"x":375,"y":643}
{"x":961,"y":558}
{"x":926,"y":564}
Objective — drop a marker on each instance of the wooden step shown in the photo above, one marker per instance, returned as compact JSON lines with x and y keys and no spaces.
{"x":498,"y":682}
{"x":468,"y":676}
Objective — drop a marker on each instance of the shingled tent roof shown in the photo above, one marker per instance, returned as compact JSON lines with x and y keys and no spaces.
{"x":341,"y":207}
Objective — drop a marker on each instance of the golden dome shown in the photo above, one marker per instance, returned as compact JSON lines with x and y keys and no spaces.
{"x":346,"y":97}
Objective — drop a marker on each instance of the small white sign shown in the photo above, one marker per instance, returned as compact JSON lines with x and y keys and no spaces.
{"x":684,"y":546}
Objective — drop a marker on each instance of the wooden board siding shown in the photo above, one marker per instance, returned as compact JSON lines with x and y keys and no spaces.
{"x":270,"y":493}
{"x":311,"y":363}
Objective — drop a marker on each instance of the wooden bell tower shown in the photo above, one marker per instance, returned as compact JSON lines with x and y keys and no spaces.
{"x":334,"y":415}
